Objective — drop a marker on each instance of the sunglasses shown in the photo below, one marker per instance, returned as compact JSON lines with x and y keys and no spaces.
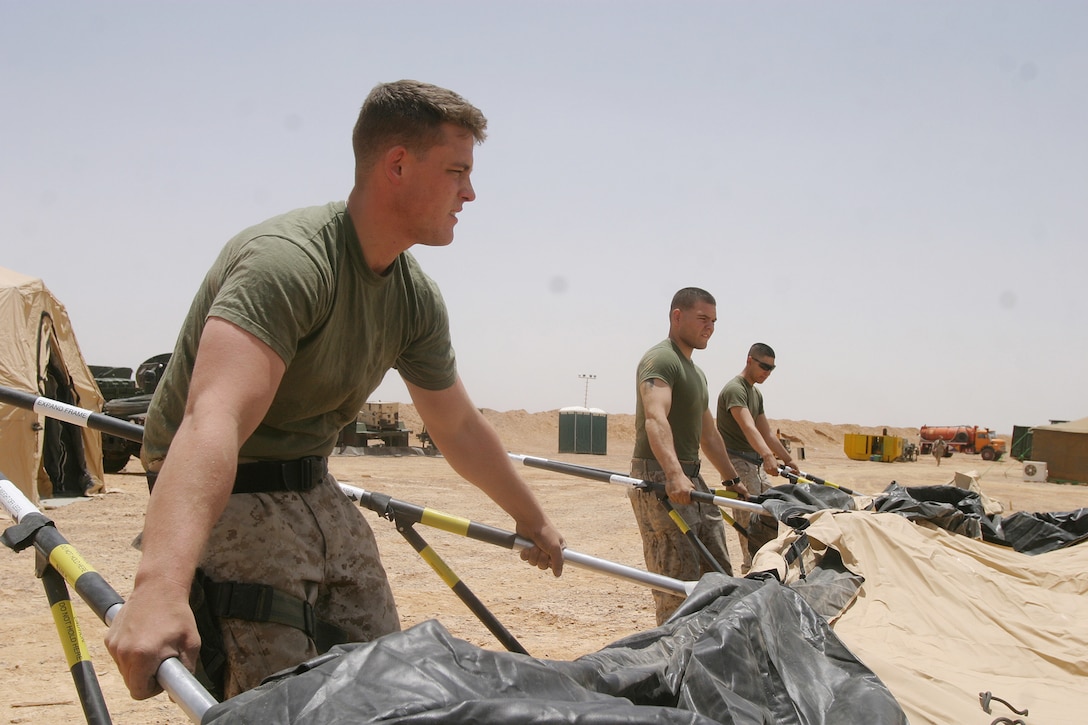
{"x":766,"y":366}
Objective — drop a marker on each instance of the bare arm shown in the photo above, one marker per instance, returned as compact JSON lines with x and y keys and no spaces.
{"x":656,"y":404}
{"x":474,"y":450}
{"x":234,"y":380}
{"x":756,"y":439}
{"x":779,"y":450}
{"x":714,"y":447}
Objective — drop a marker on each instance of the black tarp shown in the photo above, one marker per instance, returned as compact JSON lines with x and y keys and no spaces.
{"x":1041,"y":532}
{"x":962,"y":512}
{"x":952,"y":508}
{"x":958,"y":510}
{"x":740,"y":651}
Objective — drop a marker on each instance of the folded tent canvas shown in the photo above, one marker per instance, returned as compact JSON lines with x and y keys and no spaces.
{"x":39,"y":354}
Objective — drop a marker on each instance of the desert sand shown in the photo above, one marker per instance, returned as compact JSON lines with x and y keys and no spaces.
{"x":552,"y":618}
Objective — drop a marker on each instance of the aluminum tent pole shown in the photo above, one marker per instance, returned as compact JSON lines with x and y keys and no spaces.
{"x":610,"y":477}
{"x":454,"y":582}
{"x":33,"y":528}
{"x":134,"y":432}
{"x":793,"y":477}
{"x":72,"y":414}
{"x":717,"y":497}
{"x":88,"y":689}
{"x":509,"y":539}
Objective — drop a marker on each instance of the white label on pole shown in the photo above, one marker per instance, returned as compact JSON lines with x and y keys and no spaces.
{"x":62,"y":411}
{"x":12,"y":499}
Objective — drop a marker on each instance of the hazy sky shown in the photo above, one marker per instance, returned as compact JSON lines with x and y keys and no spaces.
{"x":893,"y":195}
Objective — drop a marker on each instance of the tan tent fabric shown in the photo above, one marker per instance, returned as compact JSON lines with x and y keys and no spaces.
{"x":942,"y":618}
{"x":33,"y":323}
{"x":1064,"y":447}
{"x":1074,"y":426}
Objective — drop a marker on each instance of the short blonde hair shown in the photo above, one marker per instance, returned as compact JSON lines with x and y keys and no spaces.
{"x":410,"y":113}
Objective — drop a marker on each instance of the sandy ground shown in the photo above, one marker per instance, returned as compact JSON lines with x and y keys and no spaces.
{"x":552,"y":618}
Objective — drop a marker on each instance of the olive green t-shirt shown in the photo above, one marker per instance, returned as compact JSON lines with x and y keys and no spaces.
{"x":737,"y":393}
{"x":690,"y":398}
{"x":299,"y":283}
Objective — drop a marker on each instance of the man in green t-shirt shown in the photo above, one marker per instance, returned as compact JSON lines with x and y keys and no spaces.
{"x":743,"y":425}
{"x":672,"y":423}
{"x":294,"y":326}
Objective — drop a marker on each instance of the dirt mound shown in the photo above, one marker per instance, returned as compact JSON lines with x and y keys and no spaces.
{"x":831,"y":435}
{"x":525,"y":432}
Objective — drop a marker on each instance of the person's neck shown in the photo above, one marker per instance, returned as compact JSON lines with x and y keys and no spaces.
{"x":378,"y":242}
{"x":686,"y":350}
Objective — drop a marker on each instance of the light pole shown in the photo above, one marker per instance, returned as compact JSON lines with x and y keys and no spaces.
{"x":587,"y":378}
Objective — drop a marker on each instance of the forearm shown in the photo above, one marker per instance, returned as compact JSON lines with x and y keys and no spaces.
{"x":756,"y":441}
{"x":779,"y":451}
{"x":659,"y":436}
{"x":770,"y":441}
{"x":190,"y":493}
{"x":474,"y":450}
{"x":714,"y":448}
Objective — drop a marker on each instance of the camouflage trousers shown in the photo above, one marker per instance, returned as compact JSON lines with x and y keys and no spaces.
{"x":761,"y":529}
{"x":666,"y":549}
{"x":314,"y":546}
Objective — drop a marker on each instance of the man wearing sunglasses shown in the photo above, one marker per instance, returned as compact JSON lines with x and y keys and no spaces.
{"x":743,"y":425}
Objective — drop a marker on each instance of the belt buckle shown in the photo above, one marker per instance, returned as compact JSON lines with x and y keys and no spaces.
{"x":313,"y":472}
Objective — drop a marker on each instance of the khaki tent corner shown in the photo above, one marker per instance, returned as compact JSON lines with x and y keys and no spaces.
{"x":1064,"y":447}
{"x":39,"y":355}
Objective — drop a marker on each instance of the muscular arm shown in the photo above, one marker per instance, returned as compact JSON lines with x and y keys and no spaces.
{"x":780,"y":452}
{"x":759,"y":438}
{"x":714,"y":447}
{"x":474,"y":450}
{"x":234,"y":380}
{"x":656,"y":404}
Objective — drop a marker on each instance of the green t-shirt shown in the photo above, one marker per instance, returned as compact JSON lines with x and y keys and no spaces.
{"x":690,"y":398}
{"x":299,"y":283}
{"x":737,"y":393}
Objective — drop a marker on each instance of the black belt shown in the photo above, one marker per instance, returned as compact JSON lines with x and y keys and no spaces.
{"x":299,"y":475}
{"x":690,"y":468}
{"x":750,"y":456}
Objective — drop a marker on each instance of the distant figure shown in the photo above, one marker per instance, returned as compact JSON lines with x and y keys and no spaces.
{"x":939,"y":449}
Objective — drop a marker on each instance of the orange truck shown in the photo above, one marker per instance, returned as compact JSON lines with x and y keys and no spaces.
{"x":964,"y":439}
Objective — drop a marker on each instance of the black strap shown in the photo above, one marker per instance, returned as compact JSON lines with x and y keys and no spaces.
{"x":794,"y":553}
{"x":22,"y":534}
{"x":263,"y":603}
{"x":690,"y":468}
{"x":211,"y":665}
{"x":299,"y":475}
{"x":750,"y":456}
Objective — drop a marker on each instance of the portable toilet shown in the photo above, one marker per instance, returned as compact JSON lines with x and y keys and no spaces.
{"x":598,"y":422}
{"x":583,"y":430}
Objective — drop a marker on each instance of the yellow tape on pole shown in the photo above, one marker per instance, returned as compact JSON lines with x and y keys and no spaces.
{"x":75,"y":649}
{"x":69,"y":563}
{"x":439,"y":520}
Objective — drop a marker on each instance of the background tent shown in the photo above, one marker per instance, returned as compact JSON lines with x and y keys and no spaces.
{"x":1064,"y":447}
{"x":39,"y":355}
